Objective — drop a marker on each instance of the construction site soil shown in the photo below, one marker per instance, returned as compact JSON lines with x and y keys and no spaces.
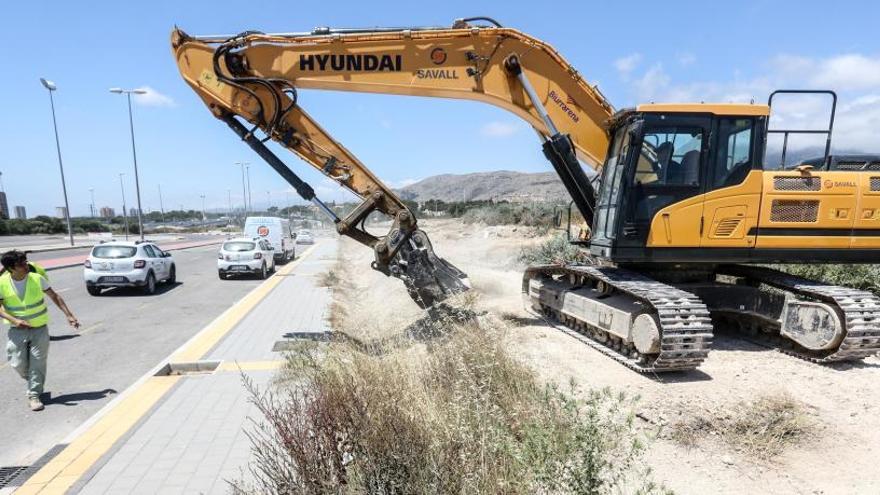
{"x":695,"y":418}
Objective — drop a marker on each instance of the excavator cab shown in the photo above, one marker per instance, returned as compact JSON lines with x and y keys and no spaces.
{"x":660,"y":166}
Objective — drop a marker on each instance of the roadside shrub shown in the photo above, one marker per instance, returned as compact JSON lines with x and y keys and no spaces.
{"x":556,"y":250}
{"x":526,"y":214}
{"x":459,"y":415}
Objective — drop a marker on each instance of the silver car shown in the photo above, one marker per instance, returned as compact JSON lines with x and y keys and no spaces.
{"x":244,"y":256}
{"x":128,"y":264}
{"x":304,"y":237}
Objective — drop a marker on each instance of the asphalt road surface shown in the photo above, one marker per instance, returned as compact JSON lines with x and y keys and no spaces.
{"x":123,"y":335}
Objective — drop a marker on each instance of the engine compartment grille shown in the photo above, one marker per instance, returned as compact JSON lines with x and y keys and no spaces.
{"x":794,"y":210}
{"x":797,"y":183}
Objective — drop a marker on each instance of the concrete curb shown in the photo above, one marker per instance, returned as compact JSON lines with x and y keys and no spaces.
{"x":79,"y":263}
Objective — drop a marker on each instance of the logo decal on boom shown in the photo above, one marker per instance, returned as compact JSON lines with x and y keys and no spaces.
{"x":351,"y":63}
{"x":438,"y":56}
{"x":563,"y":105}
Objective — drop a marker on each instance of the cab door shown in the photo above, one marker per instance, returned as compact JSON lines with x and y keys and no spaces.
{"x":664,"y":206}
{"x":731,"y":204}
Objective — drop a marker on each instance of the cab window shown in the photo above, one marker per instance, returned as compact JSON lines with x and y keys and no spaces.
{"x":733,"y":158}
{"x":670,"y":155}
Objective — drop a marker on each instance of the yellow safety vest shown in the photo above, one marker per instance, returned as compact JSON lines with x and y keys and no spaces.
{"x":33,"y":308}
{"x":39,"y":269}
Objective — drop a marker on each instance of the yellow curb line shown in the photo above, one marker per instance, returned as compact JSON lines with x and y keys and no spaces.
{"x":60,"y":473}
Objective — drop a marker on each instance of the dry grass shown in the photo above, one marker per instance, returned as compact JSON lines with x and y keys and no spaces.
{"x":762,"y":428}
{"x":455,"y":414}
{"x":330,"y":279}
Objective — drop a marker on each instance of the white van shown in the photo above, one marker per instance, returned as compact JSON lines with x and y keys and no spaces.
{"x":276,"y":231}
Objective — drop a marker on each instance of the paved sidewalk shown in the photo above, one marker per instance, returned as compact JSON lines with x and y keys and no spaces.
{"x":186,"y":434}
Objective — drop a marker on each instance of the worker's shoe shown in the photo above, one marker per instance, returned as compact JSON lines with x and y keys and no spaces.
{"x":35,"y":404}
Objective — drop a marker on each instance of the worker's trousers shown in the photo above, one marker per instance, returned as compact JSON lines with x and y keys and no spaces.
{"x":27,"y":351}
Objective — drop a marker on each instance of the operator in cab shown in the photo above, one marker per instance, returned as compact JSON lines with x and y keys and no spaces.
{"x":23,"y":307}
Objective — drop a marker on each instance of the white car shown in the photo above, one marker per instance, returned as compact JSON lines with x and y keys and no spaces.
{"x":246,"y":256}
{"x":276,"y":231}
{"x":128,"y":264}
{"x":304,"y":237}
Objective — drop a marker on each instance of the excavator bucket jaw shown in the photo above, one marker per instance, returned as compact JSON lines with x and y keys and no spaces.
{"x":428,"y":278}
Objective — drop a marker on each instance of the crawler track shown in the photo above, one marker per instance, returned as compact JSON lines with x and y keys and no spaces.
{"x":685,"y":324}
{"x":860,"y":310}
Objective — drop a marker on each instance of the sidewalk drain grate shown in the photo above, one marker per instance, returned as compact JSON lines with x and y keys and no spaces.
{"x":8,"y":474}
{"x":193,"y":368}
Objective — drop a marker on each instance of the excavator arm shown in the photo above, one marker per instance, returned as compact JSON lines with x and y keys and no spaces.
{"x":250,"y":81}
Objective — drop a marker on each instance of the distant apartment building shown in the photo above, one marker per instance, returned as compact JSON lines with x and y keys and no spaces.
{"x":107,"y":212}
{"x":4,"y":206}
{"x":132,"y":212}
{"x":60,"y":212}
{"x":20,"y":212}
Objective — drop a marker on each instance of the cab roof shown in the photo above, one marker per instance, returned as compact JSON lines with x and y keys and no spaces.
{"x":735,"y":109}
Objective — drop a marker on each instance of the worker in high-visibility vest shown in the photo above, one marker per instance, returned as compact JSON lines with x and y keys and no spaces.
{"x":23,"y":306}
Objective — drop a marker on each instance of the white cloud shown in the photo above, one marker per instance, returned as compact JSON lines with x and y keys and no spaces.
{"x":153,"y":98}
{"x":498,"y":129}
{"x":652,"y":84}
{"x":625,"y":65}
{"x":856,"y":78}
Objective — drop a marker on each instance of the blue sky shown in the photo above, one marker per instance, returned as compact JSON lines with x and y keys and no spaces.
{"x":635,"y":51}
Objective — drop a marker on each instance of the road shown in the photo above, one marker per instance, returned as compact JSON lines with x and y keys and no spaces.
{"x":123,"y":335}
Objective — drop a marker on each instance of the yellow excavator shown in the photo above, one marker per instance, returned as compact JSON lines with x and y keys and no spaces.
{"x":682,"y":212}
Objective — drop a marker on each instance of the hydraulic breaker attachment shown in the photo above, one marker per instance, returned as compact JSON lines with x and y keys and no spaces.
{"x":405,"y":252}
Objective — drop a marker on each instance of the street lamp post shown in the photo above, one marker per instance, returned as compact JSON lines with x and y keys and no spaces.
{"x":247,"y":169}
{"x":124,"y":216}
{"x":137,"y":184}
{"x":50,"y":86}
{"x":243,"y":187}
{"x":268,"y":200}
{"x":92,"y":206}
{"x":161,"y":207}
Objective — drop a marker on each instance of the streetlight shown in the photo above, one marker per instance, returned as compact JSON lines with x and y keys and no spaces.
{"x":124,"y":217}
{"x":161,"y":207}
{"x":137,"y":185}
{"x":243,"y":188}
{"x":229,"y":200}
{"x":268,"y":200}
{"x":247,"y":168}
{"x":50,"y":86}
{"x":92,"y":206}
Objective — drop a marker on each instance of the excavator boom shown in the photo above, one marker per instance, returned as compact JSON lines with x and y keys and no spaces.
{"x":251,"y":82}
